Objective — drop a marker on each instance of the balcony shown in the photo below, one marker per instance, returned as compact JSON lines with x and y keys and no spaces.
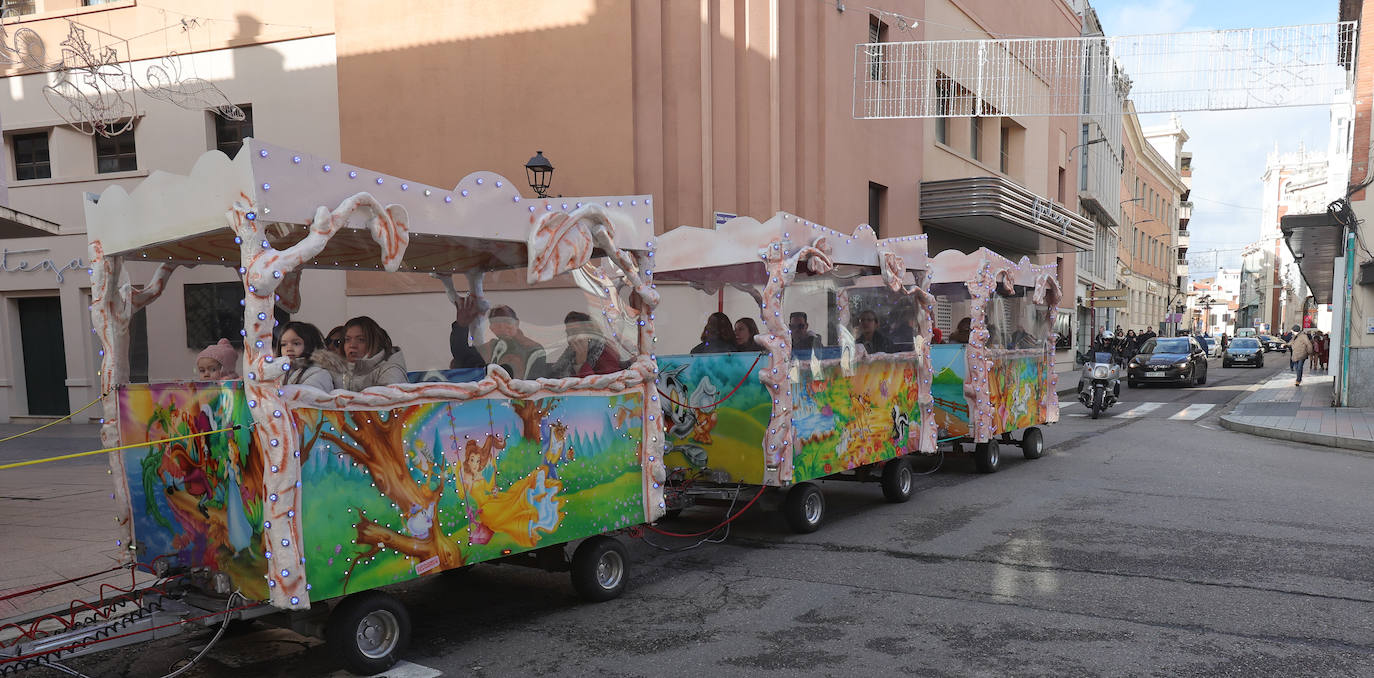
{"x":997,"y":211}
{"x":1183,"y":238}
{"x":1185,"y":212}
{"x":1181,"y":270}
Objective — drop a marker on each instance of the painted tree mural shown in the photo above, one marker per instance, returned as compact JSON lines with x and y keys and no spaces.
{"x":376,"y":441}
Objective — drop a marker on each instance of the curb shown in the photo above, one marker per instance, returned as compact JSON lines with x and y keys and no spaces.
{"x":1323,"y":439}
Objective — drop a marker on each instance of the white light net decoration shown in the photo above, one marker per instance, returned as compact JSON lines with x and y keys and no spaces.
{"x":1205,"y":71}
{"x":95,"y":88}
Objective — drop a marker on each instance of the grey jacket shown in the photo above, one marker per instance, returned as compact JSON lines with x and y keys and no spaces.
{"x":377,"y":369}
{"x":319,"y":372}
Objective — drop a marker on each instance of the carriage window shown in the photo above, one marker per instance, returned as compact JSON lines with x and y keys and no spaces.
{"x":701,"y":322}
{"x":881,"y":320}
{"x":811,"y":312}
{"x":1017,"y":323}
{"x":578,"y":326}
{"x":953,"y":313}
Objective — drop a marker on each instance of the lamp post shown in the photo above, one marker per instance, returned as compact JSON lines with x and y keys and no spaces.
{"x":539,"y":171}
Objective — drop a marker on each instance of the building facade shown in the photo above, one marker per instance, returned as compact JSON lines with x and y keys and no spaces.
{"x":728,"y":106}
{"x":273,"y":60}
{"x":1152,"y":189}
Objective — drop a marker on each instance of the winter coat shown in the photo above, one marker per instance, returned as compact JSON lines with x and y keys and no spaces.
{"x":1301,"y":346}
{"x":377,"y":369}
{"x":318,"y":372}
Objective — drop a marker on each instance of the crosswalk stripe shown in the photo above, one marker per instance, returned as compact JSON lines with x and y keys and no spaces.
{"x":1192,"y":412}
{"x":1140,"y":410}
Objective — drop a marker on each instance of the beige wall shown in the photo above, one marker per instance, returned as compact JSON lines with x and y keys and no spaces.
{"x":708,"y":106}
{"x":291,"y":84}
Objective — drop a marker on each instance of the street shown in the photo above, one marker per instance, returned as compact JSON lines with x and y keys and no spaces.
{"x":1138,"y":546}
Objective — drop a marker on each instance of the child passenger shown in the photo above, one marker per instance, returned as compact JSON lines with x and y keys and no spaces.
{"x":310,"y":363}
{"x":371,"y":359}
{"x":218,"y":361}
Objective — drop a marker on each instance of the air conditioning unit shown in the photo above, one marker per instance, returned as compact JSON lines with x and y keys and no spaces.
{"x":1366,"y":276}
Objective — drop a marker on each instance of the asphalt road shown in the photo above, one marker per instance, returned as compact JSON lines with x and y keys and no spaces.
{"x":1140,"y":545}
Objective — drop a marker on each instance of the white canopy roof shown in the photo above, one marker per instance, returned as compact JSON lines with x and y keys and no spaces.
{"x":483,"y":222}
{"x":730,"y":253}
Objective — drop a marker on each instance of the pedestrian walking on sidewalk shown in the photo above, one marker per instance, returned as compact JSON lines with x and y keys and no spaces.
{"x":1302,"y":350}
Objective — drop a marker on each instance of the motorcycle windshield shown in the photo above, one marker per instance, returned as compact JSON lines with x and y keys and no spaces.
{"x":1102,"y":357}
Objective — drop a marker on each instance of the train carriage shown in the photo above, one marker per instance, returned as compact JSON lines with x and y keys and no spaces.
{"x":291,"y":495}
{"x":834,"y":385}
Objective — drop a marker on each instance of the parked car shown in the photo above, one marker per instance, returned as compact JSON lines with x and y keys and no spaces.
{"x":1212,"y":346}
{"x":1271,"y":343}
{"x":1243,"y":351}
{"x":1168,"y":360}
{"x":1247,"y":332}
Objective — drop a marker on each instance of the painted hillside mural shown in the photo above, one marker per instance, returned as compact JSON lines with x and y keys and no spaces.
{"x":843,"y":422}
{"x":392,"y":495}
{"x":715,"y":412}
{"x":196,"y":502}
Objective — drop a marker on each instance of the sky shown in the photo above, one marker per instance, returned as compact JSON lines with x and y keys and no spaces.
{"x":1229,"y":147}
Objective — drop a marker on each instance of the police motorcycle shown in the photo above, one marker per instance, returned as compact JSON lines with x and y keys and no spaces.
{"x":1099,"y":385}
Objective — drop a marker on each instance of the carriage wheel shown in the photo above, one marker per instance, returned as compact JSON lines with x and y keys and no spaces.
{"x":898,"y":481}
{"x":368,"y":631}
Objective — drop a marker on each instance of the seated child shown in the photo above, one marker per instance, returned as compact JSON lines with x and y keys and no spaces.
{"x":310,"y":362}
{"x":217,"y":362}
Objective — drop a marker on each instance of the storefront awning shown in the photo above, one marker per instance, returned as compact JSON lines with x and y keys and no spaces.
{"x":1000,"y":212}
{"x":1314,"y":240}
{"x":15,"y":224}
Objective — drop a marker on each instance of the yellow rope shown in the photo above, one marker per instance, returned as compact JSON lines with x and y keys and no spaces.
{"x":116,"y":449}
{"x":87,"y":406}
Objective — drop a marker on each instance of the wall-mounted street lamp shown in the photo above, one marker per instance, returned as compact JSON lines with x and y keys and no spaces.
{"x":1069,"y":155}
{"x":539,"y":171}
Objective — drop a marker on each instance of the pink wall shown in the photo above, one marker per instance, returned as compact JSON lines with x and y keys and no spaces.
{"x":741,"y":106}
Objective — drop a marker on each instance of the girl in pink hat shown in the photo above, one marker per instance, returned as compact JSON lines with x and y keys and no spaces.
{"x":217,"y":362}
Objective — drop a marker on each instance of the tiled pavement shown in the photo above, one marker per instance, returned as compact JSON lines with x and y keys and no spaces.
{"x":1278,"y":409}
{"x":55,"y":519}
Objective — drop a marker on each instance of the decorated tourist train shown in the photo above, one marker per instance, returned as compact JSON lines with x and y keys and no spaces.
{"x":290,"y":494}
{"x":993,"y":362}
{"x":833,"y":385}
{"x":302,"y":473}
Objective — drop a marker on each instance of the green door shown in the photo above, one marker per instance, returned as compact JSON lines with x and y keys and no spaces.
{"x":45,"y":357}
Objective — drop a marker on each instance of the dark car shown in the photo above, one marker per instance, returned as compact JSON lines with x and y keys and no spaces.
{"x":1243,"y":351}
{"x":1271,"y":343}
{"x":1168,"y":360}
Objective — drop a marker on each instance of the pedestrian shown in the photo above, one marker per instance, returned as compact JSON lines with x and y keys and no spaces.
{"x":1302,"y":348}
{"x":1314,"y":360}
{"x":1323,"y":351}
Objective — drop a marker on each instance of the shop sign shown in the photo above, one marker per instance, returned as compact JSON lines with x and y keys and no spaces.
{"x":28,"y":261}
{"x":1043,"y":210}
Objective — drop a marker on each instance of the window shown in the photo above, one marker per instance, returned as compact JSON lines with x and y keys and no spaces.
{"x":116,"y":153}
{"x":229,"y":134}
{"x":944,"y":103}
{"x":877,"y":197}
{"x":13,"y":8}
{"x":877,"y":32}
{"x":31,"y":156}
{"x":1004,"y":162}
{"x":213,"y":312}
{"x":975,"y":132}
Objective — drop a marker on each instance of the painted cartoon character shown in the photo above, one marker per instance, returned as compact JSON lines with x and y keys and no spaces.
{"x":678,"y":417}
{"x":518,"y":511}
{"x":420,"y":521}
{"x":556,"y":449}
{"x":901,"y":426}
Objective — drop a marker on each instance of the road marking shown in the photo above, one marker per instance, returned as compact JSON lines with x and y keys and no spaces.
{"x":1140,"y":410}
{"x":1192,"y":412}
{"x":402,"y":669}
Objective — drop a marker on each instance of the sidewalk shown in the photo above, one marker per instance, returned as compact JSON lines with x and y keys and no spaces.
{"x":56,"y":519}
{"x":1278,"y":409}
